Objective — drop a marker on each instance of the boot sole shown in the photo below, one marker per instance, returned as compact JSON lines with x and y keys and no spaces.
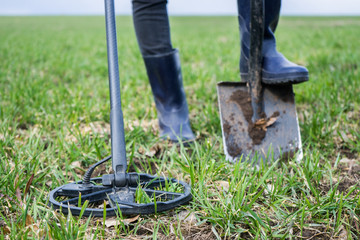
{"x":280,"y":79}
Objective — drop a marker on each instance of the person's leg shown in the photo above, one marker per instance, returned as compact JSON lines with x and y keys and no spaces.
{"x":163,"y":68}
{"x":152,"y":26}
{"x":276,"y":68}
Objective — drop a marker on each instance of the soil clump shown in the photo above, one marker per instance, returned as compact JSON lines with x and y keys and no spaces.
{"x":256,"y":133}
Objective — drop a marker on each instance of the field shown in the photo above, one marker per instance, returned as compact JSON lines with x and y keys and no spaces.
{"x":54,"y":124}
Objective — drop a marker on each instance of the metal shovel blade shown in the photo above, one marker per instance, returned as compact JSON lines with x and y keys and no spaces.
{"x":276,"y":136}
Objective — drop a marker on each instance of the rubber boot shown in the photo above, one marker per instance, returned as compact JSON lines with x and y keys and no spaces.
{"x":276,"y":69}
{"x":165,"y":78}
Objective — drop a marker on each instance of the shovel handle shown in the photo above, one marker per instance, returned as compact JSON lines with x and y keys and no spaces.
{"x":118,"y":147}
{"x":255,"y":58}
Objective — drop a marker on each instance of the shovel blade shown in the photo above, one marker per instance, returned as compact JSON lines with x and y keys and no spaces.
{"x":278,"y":136}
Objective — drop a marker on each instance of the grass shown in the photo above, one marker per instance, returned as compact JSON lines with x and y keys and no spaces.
{"x":54,"y":112}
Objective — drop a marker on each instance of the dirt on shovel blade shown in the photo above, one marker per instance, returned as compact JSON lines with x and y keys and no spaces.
{"x":256,"y":132}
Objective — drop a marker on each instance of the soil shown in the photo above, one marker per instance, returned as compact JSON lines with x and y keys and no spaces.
{"x":347,"y":152}
{"x":348,"y":180}
{"x":234,"y":151}
{"x":243,"y":99}
{"x":256,"y":134}
{"x":314,"y":234}
{"x":23,"y":126}
{"x":346,"y":184}
{"x":276,"y":114}
{"x":226,"y":128}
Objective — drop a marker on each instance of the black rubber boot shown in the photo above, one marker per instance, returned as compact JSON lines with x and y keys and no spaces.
{"x":276,"y":68}
{"x":164,"y":74}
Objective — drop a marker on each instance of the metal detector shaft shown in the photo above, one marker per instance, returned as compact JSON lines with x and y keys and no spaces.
{"x":118,"y":147}
{"x":255,"y":60}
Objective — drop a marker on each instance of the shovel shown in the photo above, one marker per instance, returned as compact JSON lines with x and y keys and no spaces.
{"x":258,"y":122}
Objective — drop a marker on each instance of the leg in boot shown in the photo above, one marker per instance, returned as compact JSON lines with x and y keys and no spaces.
{"x":166,"y":82}
{"x":276,"y":68}
{"x":163,"y":68}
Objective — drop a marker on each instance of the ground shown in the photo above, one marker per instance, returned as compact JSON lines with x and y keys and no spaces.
{"x":54,"y":113}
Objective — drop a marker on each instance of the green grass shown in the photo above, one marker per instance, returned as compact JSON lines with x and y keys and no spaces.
{"x":54,"y":112}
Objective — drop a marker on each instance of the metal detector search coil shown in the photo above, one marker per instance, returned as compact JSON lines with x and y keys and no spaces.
{"x":75,"y":195}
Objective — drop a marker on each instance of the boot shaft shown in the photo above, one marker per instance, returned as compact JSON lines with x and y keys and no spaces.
{"x":164,"y":73}
{"x":272,"y":14}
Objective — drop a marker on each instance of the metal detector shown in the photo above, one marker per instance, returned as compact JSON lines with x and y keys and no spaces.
{"x":115,"y":194}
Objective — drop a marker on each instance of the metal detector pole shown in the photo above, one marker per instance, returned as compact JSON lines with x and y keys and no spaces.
{"x":118,"y":147}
